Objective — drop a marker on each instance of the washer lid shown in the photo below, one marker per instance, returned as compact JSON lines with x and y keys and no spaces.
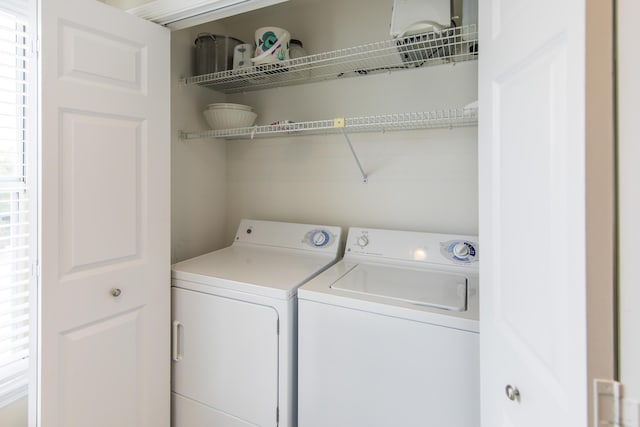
{"x":437,"y":289}
{"x":268,"y":271}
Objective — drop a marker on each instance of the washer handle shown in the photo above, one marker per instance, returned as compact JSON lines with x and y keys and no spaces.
{"x":176,"y":355}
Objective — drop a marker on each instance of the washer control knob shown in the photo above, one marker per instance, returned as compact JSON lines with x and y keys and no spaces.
{"x":461,"y":250}
{"x":362,"y":241}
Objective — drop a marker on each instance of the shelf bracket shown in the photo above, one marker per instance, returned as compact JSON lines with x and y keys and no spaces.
{"x":365,"y":178}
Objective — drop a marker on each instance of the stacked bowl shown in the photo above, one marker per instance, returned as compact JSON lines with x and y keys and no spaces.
{"x":224,"y":115}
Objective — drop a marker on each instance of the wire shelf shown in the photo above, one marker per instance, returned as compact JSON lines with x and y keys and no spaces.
{"x":449,"y":45}
{"x":449,"y":118}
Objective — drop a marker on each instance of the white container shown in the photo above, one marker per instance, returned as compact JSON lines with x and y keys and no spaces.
{"x":272,"y":45}
{"x":408,"y":12}
{"x":229,"y":106}
{"x":228,"y":118}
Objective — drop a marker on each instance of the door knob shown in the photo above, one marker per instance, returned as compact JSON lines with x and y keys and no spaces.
{"x":115,"y":292}
{"x":512,"y":392}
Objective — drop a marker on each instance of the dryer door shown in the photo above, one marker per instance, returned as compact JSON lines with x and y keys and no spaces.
{"x":225,"y":361}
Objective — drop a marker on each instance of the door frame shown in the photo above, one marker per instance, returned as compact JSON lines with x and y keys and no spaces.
{"x":600,"y":194}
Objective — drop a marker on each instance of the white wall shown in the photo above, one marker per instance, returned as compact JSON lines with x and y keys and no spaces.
{"x":419,"y":180}
{"x":14,"y":414}
{"x":198,"y":167}
{"x":629,"y":196}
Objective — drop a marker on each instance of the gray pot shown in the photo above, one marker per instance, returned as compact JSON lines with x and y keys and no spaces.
{"x":214,"y":53}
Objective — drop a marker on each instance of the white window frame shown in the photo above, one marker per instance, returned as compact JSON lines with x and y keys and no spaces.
{"x":21,"y":239}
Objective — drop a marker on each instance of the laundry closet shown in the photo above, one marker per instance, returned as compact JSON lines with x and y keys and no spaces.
{"x":424,"y":180}
{"x":518,"y":180}
{"x":394,"y":175}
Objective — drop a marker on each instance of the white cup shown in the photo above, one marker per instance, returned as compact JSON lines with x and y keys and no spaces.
{"x":272,"y":45}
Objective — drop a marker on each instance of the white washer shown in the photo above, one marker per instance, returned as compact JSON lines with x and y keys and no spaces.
{"x":234,"y":327}
{"x":388,"y":336}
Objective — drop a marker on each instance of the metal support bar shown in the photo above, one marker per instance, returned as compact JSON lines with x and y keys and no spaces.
{"x":365,"y":178}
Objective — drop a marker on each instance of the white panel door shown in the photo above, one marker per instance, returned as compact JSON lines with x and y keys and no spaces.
{"x":225,"y":357}
{"x":104,"y":293}
{"x":628,"y":196}
{"x":532,"y":213}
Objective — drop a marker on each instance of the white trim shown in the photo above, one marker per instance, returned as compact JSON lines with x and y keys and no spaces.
{"x":177,"y":15}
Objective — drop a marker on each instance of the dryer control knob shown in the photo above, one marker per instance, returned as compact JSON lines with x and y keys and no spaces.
{"x":320,"y":238}
{"x":461,"y":250}
{"x":362,"y":241}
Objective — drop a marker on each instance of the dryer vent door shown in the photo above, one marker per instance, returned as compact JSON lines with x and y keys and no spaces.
{"x":228,"y":360}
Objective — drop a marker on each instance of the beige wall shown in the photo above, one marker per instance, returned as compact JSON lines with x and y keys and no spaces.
{"x":419,"y":180}
{"x":14,"y":414}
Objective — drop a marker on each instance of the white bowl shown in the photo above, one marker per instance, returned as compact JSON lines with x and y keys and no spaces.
{"x":230,"y":106}
{"x":219,"y":118}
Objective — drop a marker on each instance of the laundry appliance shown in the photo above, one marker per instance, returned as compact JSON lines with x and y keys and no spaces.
{"x":389,"y":336}
{"x":234,"y":325}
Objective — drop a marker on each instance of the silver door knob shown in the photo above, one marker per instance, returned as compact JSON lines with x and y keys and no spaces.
{"x":512,"y":392}
{"x":116,"y":292}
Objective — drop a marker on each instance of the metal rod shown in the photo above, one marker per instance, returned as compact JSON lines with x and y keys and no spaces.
{"x":365,"y":178}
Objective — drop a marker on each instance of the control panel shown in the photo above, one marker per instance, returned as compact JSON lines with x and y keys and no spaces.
{"x":288,"y":235}
{"x":413,"y":246}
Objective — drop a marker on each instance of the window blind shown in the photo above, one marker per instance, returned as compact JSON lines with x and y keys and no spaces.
{"x":15,"y":274}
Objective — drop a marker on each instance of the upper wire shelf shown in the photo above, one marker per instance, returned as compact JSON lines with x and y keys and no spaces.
{"x":455,"y":117}
{"x":449,"y":45}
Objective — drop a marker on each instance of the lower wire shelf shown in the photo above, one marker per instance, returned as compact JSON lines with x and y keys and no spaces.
{"x":448,"y":118}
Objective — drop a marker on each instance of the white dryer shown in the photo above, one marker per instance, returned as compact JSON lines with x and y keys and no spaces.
{"x":234,"y":325}
{"x":389,"y":336}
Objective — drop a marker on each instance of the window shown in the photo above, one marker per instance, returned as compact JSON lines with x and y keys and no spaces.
{"x":15,"y":224}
